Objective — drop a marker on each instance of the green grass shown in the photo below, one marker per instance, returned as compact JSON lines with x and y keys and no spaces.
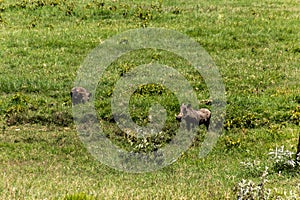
{"x":255,"y":45}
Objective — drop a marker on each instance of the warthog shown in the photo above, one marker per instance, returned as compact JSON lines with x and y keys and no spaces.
{"x":79,"y":95}
{"x":194,"y":117}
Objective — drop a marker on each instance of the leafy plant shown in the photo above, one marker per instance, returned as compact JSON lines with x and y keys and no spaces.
{"x":283,"y":160}
{"x":296,"y":115}
{"x":248,"y":190}
{"x":253,"y":168}
{"x":231,"y":143}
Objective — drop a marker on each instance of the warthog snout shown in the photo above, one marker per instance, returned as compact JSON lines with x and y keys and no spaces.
{"x":179,"y":117}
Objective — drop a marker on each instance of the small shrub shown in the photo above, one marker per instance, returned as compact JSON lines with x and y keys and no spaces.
{"x":249,"y":190}
{"x":151,"y":89}
{"x":231,"y":143}
{"x":296,"y":116}
{"x":248,"y":120}
{"x":253,"y":168}
{"x":283,"y":160}
{"x":246,"y":190}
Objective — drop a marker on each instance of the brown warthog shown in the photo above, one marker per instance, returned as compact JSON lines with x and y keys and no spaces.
{"x":80,"y":95}
{"x":194,"y":117}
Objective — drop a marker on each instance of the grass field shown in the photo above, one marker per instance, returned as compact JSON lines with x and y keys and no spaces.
{"x":255,"y":45}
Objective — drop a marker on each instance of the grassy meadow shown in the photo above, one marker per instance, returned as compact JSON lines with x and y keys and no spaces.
{"x":254,"y":44}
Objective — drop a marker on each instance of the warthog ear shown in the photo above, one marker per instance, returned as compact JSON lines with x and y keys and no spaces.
{"x":189,"y":106}
{"x":90,"y":94}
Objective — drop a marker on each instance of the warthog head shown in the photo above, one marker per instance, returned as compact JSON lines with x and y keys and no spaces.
{"x":79,"y":95}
